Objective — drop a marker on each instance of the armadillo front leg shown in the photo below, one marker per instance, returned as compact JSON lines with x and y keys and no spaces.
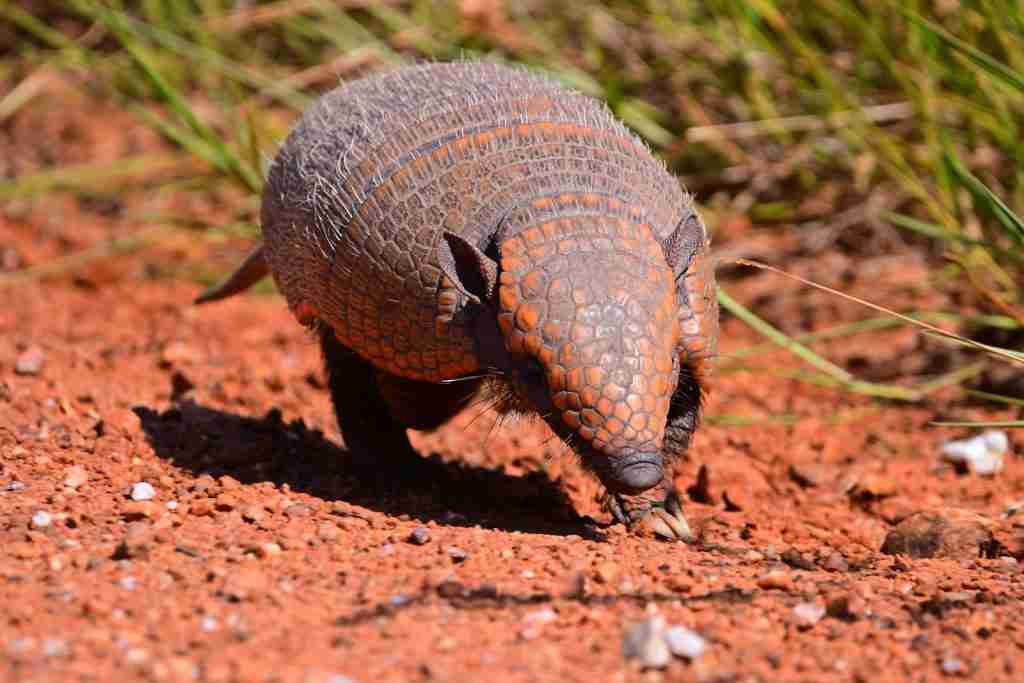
{"x":660,"y":510}
{"x":371,"y":433}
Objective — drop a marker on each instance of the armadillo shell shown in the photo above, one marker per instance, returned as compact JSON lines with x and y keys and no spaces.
{"x":376,"y":170}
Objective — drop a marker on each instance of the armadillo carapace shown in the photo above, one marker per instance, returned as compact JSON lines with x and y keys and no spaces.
{"x":457,"y":228}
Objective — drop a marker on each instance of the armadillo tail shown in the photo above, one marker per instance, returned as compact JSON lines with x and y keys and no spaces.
{"x":252,"y":270}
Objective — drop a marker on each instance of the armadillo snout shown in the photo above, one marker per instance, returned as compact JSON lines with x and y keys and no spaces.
{"x":600,"y":316}
{"x":633,"y":473}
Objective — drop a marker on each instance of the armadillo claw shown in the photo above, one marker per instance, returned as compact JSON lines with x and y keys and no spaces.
{"x":644,"y":516}
{"x":671,"y":527}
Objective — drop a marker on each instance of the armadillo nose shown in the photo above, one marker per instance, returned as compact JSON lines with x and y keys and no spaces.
{"x":638,"y":472}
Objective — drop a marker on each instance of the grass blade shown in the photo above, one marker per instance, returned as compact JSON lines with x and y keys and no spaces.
{"x":203,"y":140}
{"x":1005,"y":354}
{"x":991,"y":66}
{"x":1013,"y":224}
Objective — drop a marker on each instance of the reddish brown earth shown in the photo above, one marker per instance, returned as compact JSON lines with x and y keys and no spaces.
{"x":264,"y":556}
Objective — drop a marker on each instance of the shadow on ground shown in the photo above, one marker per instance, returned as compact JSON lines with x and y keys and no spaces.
{"x":204,"y":440}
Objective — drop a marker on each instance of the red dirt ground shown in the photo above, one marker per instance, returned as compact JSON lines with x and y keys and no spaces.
{"x":264,"y":556}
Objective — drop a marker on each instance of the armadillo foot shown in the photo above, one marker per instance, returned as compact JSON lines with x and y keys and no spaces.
{"x":657,"y":511}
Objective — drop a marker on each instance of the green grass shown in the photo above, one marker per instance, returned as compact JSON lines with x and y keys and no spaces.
{"x":757,"y":106}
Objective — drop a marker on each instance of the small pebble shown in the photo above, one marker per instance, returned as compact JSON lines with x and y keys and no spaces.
{"x":982,"y":454}
{"x":607,"y":572}
{"x":646,"y":642}
{"x":208,"y":625}
{"x":419,"y":536}
{"x":458,"y":555}
{"x":172,"y":505}
{"x":941,"y":532}
{"x":268,"y":549}
{"x":15,"y":486}
{"x":685,"y":643}
{"x":541,"y":616}
{"x":201,"y":508}
{"x":808,"y":613}
{"x":776,"y":579}
{"x":41,"y":519}
{"x":951,"y":666}
{"x":30,"y":362}
{"x":55,"y":647}
{"x":835,"y":562}
{"x":809,"y":475}
{"x":75,"y":477}
{"x":1013,"y":508}
{"x":795,"y":559}
{"x":129,"y":583}
{"x":252,"y":513}
{"x":327,"y":532}
{"x":178,"y":353}
{"x":298,"y":510}
{"x":142,"y":491}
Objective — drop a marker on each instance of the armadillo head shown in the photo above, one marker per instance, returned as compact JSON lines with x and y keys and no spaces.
{"x":590,"y":323}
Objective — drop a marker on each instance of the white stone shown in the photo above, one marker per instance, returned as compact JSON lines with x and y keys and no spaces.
{"x":143,"y":491}
{"x":41,"y":519}
{"x":685,"y":643}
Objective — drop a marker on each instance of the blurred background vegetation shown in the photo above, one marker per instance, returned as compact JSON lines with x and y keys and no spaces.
{"x":875,"y":130}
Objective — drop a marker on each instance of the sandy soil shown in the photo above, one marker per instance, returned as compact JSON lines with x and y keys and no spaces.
{"x":259,"y":553}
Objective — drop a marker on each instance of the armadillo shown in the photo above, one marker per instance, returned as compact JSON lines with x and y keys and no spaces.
{"x":453,"y":229}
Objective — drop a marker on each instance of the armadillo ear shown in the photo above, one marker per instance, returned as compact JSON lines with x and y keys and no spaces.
{"x":473,"y":272}
{"x":684,"y":242}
